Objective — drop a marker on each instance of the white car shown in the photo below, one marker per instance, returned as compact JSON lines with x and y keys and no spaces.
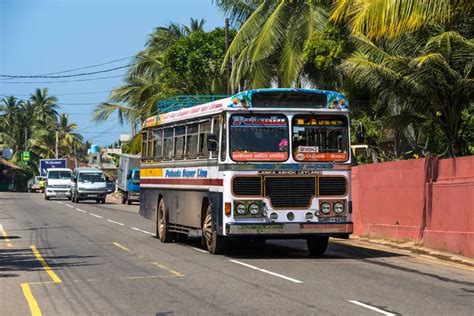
{"x":58,"y":183}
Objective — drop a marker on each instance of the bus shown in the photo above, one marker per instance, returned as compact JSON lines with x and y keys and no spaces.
{"x":260,"y":164}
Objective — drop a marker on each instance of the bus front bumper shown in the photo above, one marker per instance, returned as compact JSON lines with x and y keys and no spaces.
{"x":291,"y":229}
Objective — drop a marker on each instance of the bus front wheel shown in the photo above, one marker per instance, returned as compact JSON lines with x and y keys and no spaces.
{"x":317,"y":245}
{"x":162,"y":230}
{"x":215,"y":243}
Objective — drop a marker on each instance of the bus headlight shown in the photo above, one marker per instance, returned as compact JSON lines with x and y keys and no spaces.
{"x":254,"y":209}
{"x":241,"y":209}
{"x":325,"y":208}
{"x":338,"y":207}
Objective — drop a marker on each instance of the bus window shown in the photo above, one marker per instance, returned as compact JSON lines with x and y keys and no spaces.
{"x":320,"y":138}
{"x":158,"y":149}
{"x":224,"y":139}
{"x":192,"y":141}
{"x":149,"y":147}
{"x":258,"y":137}
{"x":204,"y":129}
{"x":144,"y":143}
{"x":179,"y":136}
{"x":168,"y":144}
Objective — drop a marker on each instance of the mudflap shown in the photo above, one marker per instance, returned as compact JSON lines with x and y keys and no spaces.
{"x":216,"y":200}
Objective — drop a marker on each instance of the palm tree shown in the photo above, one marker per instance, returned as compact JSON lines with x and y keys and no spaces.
{"x":136,"y":99}
{"x":393,"y":18}
{"x":9,"y":108}
{"x":68,"y":138}
{"x":270,"y":43}
{"x":431,"y":76}
{"x":46,"y":106}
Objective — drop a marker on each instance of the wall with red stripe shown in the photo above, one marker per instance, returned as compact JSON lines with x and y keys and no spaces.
{"x":429,"y":200}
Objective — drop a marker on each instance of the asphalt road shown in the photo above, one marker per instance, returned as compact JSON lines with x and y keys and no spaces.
{"x":59,"y":258}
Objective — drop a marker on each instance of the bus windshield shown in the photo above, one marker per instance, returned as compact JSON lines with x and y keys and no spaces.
{"x":320,"y":138}
{"x":258,"y":137}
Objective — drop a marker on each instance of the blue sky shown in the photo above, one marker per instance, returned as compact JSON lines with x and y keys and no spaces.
{"x":44,"y":36}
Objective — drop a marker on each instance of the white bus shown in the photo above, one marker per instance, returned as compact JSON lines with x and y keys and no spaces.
{"x":266,"y":163}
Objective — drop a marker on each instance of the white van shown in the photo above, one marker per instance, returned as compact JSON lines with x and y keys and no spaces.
{"x":88,"y":184}
{"x":58,"y":183}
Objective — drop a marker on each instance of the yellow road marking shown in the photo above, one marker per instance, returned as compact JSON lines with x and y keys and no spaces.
{"x":174,"y":272}
{"x":121,"y":247}
{"x":32,"y":303}
{"x":5,"y":237}
{"x":47,"y":268}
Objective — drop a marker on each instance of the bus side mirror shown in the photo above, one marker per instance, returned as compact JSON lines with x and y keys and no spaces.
{"x":212,"y":142}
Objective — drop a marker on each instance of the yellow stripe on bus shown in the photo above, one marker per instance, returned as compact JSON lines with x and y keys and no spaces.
{"x":151,"y":173}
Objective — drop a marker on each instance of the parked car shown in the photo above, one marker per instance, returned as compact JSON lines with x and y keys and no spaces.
{"x":58,"y":183}
{"x":88,"y":184}
{"x":38,"y":184}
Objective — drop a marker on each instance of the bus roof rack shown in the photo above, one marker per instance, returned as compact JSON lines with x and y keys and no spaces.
{"x":183,"y":101}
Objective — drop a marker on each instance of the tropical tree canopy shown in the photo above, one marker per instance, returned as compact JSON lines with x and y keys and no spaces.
{"x":31,"y":125}
{"x":177,"y":59}
{"x":431,"y":76}
{"x":270,"y":43}
{"x":378,"y":19}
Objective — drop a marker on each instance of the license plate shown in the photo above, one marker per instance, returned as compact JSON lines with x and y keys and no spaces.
{"x":332,"y":219}
{"x":91,"y":195}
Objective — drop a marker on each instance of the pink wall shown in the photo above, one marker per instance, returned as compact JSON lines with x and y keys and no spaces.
{"x":398,"y":200}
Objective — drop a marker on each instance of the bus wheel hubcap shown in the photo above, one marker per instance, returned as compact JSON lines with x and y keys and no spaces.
{"x":162,"y":221}
{"x":208,"y":230}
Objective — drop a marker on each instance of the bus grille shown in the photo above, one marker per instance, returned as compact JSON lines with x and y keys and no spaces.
{"x":290,"y":192}
{"x":247,"y":186}
{"x":332,"y":186}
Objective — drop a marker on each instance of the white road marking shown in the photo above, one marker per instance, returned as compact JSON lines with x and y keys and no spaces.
{"x":200,"y":250}
{"x":373,"y":308}
{"x":59,"y":202}
{"x":143,"y":231}
{"x":266,"y":271}
{"x":81,"y":210}
{"x":109,"y":220}
{"x":95,"y":215}
{"x":69,"y":205}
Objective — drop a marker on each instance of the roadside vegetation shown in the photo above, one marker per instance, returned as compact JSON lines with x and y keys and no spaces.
{"x":31,"y":125}
{"x":406,"y":66}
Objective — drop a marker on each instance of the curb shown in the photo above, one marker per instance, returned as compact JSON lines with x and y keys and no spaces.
{"x":411,"y":247}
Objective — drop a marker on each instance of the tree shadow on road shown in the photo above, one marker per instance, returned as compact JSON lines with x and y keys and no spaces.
{"x":23,"y":259}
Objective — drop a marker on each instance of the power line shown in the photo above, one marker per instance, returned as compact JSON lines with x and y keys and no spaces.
{"x":58,"y":94}
{"x":67,"y":76}
{"x":60,"y":81}
{"x":77,"y":103}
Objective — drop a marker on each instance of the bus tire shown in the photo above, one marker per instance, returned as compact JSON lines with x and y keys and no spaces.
{"x":317,"y":245}
{"x":162,"y":231}
{"x":215,"y":244}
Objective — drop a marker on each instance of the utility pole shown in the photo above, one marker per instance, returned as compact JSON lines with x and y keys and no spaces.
{"x":227,"y":66}
{"x":57,"y":136}
{"x":26,"y":138}
{"x":75,"y":155}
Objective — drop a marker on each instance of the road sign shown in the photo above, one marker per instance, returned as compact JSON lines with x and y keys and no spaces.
{"x":51,"y":163}
{"x":25,"y":155}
